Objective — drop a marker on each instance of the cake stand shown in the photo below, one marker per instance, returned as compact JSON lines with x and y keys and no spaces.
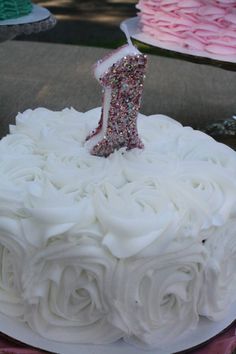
{"x":40,"y":19}
{"x":205,"y":331}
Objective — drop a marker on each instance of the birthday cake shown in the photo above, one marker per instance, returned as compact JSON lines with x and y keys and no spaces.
{"x":126,"y":231}
{"x":203,"y":25}
{"x":139,"y":245}
{"x":10,"y":9}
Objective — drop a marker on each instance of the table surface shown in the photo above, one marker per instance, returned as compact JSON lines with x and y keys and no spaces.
{"x":57,"y":76}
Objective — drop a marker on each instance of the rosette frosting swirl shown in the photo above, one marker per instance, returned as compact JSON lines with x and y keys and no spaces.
{"x":12,"y":253}
{"x":218,"y":292}
{"x":13,"y":9}
{"x":95,"y":249}
{"x":156,"y":298}
{"x":67,"y":290}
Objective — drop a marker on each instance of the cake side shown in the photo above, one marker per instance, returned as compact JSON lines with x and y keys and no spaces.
{"x":208,"y":26}
{"x":14,"y":8}
{"x":138,"y":245}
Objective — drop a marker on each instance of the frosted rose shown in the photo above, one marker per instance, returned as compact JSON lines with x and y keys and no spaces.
{"x":50,"y":212}
{"x":11,"y":256}
{"x":219,"y":289}
{"x":156,"y":298}
{"x":67,"y":292}
{"x":133,"y":217}
{"x":18,"y":171}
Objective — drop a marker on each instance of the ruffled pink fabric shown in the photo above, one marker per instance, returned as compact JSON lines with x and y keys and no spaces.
{"x":206,"y":25}
{"x":222,"y":344}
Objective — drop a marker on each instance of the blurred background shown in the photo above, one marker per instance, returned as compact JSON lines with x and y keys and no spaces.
{"x":177,"y":85}
{"x":86,"y":22}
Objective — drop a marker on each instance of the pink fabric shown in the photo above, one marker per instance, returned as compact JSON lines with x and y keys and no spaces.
{"x":222,"y":344}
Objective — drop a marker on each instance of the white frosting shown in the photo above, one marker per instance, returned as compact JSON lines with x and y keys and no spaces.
{"x":219,"y":289}
{"x":156,"y":297}
{"x":67,"y":290}
{"x":94,"y":249}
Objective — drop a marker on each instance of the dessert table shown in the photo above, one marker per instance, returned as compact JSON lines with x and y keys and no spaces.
{"x":57,"y":76}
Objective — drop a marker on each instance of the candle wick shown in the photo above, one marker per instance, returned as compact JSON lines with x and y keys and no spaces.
{"x":124,"y":28}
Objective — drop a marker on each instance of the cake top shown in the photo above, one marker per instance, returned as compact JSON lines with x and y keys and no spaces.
{"x":182,"y":175}
{"x":14,"y":8}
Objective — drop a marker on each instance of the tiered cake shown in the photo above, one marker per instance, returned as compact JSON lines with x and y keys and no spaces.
{"x":203,"y":25}
{"x":10,"y":9}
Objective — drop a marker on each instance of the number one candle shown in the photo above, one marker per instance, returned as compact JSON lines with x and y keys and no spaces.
{"x":121,"y":74}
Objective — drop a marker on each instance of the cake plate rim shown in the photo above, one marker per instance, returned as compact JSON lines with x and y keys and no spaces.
{"x":37,"y":14}
{"x":39,"y":20}
{"x":205,"y":331}
{"x":133,"y":26}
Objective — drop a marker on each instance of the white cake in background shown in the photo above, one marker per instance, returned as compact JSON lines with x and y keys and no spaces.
{"x":138,"y":245}
{"x":203,"y":25}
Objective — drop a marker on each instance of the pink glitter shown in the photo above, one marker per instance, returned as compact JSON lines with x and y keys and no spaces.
{"x":125,"y":79}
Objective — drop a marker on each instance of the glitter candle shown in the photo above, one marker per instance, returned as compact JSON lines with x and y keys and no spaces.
{"x":121,"y":74}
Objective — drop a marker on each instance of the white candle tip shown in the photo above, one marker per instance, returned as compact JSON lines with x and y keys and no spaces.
{"x":124,"y":28}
